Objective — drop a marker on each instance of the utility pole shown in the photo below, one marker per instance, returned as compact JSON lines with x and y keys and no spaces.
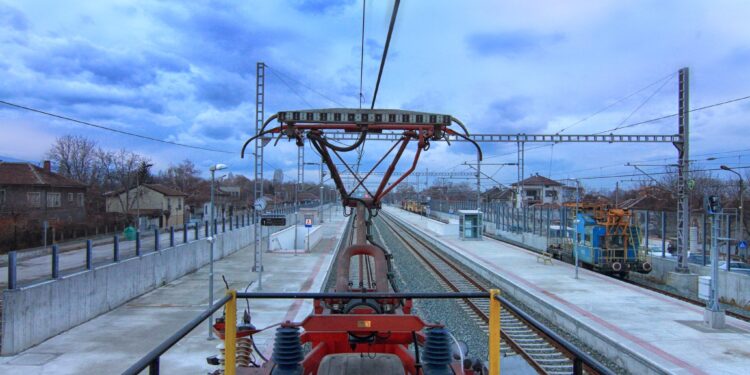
{"x":320,"y":206}
{"x":683,"y":168}
{"x":713,"y":316}
{"x":519,"y":194}
{"x":260,"y":91}
{"x":479,"y":183}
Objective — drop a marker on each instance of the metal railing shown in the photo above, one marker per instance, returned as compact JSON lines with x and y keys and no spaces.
{"x":152,"y":359}
{"x":137,"y":246}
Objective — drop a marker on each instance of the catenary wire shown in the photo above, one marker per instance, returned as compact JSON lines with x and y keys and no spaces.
{"x":324,"y":96}
{"x":385,"y":51}
{"x":102,"y":127}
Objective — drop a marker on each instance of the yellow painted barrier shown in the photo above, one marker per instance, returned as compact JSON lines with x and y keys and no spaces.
{"x":230,"y":334}
{"x":494,"y":343}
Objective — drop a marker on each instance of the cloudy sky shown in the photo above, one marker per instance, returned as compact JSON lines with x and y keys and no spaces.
{"x":185,"y":72}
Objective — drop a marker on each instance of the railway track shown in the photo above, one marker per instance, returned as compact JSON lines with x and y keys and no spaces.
{"x":518,"y":337}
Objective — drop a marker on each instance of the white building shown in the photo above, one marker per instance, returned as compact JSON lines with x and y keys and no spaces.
{"x":542,"y":191}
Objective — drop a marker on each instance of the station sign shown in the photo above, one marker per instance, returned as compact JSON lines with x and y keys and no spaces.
{"x":308,"y":222}
{"x":273,"y":221}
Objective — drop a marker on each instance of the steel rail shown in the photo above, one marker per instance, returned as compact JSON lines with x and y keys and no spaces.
{"x":515,"y":346}
{"x":565,"y":348}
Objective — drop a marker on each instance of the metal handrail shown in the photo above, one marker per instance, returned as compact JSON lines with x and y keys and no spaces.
{"x":151,"y":359}
{"x":358,"y":295}
{"x":579,"y":356}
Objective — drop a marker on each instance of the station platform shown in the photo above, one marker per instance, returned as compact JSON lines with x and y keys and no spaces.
{"x":112,"y":342}
{"x":640,"y":330}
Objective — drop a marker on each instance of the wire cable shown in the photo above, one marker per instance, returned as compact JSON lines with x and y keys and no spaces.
{"x":362,"y":56}
{"x":385,"y":51}
{"x":292,"y":89}
{"x":618,"y":101}
{"x":306,"y":86}
{"x":102,"y":127}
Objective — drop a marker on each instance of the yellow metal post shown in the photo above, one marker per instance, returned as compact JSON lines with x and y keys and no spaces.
{"x":494,"y":343}
{"x":230,"y":334}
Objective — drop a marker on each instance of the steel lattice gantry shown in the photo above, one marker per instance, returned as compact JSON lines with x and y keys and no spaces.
{"x":260,"y":85}
{"x":679,"y":140}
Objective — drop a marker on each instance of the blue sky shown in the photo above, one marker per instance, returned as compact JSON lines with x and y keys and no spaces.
{"x":185,"y":72}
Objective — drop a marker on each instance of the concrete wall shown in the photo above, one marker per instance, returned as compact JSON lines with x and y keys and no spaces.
{"x":35,"y":313}
{"x":734,"y":287}
{"x":285,"y":238}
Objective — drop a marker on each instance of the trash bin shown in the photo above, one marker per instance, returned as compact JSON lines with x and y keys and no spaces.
{"x":129,"y":233}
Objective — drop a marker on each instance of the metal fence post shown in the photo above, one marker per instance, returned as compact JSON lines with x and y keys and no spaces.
{"x":705,"y":237}
{"x":195,"y":229}
{"x":648,"y":220}
{"x":156,"y":239}
{"x":55,"y":262}
{"x":12,"y":270}
{"x":577,"y":366}
{"x":89,"y":255}
{"x":216,"y":226}
{"x":137,"y":243}
{"x":230,"y":223}
{"x":205,"y":229}
{"x":223,"y":224}
{"x":664,"y":235}
{"x":494,"y":336}
{"x":171,"y":236}
{"x":116,"y":248}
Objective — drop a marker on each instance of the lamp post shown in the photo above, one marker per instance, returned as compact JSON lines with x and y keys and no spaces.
{"x":211,"y":239}
{"x":713,"y":316}
{"x":575,"y":221}
{"x":143,"y":170}
{"x":741,"y":204}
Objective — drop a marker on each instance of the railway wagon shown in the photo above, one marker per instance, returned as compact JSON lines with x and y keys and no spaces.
{"x":414,"y":206}
{"x":605,"y":240}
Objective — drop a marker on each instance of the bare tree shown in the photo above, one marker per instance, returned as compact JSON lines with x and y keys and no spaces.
{"x":119,"y":170}
{"x":75,"y":157}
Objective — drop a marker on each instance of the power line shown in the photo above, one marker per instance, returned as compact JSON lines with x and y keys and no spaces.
{"x":675,"y":114}
{"x":362,"y":56}
{"x":657,"y":173}
{"x":646,"y":101}
{"x":324,"y":96}
{"x":385,"y":51}
{"x":640,"y":123}
{"x":292,"y":89}
{"x":618,"y":101}
{"x":102,"y":127}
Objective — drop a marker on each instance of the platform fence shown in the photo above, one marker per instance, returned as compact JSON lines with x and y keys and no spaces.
{"x":555,"y":223}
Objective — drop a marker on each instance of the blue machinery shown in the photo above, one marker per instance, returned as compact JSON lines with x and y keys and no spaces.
{"x":605,"y":240}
